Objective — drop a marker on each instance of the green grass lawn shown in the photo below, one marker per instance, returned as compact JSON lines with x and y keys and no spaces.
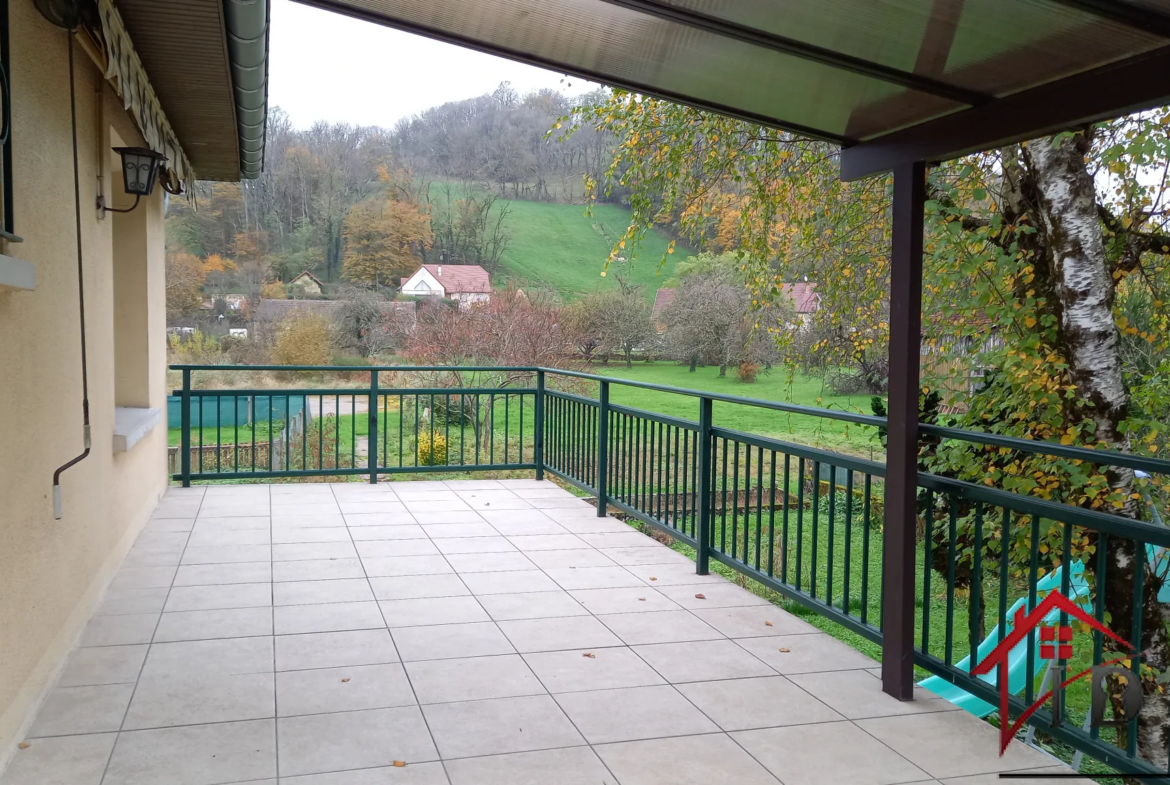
{"x":558,"y":246}
{"x":776,"y":386}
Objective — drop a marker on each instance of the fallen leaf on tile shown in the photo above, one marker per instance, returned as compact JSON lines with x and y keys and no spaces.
{"x":653,"y":579}
{"x":767,"y":624}
{"x":344,"y":680}
{"x":590,"y":655}
{"x":641,"y":599}
{"x":700,"y":597}
{"x":399,"y":763}
{"x":784,"y":650}
{"x":24,"y":745}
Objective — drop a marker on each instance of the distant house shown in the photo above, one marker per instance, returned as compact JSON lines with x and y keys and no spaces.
{"x":306,"y":282}
{"x":467,"y":283}
{"x":662,"y":300}
{"x":805,"y":299}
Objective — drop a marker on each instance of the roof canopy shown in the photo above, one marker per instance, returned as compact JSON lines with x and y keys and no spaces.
{"x":207,"y":61}
{"x":891,"y":80}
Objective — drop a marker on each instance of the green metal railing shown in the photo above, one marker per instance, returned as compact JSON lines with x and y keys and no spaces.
{"x":804,"y":522}
{"x":368,"y":431}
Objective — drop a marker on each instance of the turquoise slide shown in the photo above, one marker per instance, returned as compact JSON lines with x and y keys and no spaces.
{"x":1018,"y":657}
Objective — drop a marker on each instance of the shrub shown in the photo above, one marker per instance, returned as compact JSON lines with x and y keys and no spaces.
{"x":273,"y":291}
{"x":747,"y":371}
{"x":432,"y":453}
{"x":198,"y":348}
{"x":304,"y":339}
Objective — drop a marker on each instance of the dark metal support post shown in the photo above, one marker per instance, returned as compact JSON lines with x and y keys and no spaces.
{"x":538,"y":426}
{"x":705,"y":498}
{"x":902,"y":441}
{"x":372,"y":436}
{"x":185,"y":429}
{"x":602,"y":449}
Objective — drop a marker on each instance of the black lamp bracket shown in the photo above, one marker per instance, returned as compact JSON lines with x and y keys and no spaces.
{"x":101,"y":205}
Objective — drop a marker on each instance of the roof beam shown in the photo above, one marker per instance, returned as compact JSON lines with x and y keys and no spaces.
{"x":1141,"y":82}
{"x":1147,"y":20}
{"x":790,"y":46}
{"x":341,"y":7}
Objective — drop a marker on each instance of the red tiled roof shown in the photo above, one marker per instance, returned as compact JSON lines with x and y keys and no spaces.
{"x":461,"y":278}
{"x":804,"y":296}
{"x":662,"y":300}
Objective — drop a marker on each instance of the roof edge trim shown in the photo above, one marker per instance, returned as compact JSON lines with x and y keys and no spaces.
{"x":247,"y":28}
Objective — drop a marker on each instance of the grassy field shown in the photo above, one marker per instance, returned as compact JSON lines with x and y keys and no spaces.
{"x":557,"y":246}
{"x":775,"y":386}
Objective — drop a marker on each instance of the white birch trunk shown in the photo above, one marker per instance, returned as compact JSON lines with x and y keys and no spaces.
{"x":1067,"y":210}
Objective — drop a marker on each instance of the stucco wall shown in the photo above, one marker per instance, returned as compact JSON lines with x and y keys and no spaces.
{"x":53,"y":572}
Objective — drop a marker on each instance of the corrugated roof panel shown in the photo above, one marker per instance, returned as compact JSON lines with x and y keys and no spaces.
{"x":849,"y":70}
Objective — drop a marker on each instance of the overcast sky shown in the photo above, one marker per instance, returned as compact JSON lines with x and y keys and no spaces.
{"x":330,"y":67}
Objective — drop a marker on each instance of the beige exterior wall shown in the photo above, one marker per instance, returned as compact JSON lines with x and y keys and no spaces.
{"x":53,"y":572}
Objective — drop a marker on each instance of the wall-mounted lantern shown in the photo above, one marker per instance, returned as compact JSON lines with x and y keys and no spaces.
{"x":139,"y":171}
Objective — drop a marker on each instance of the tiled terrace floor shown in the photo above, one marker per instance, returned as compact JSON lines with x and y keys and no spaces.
{"x":483,"y":633}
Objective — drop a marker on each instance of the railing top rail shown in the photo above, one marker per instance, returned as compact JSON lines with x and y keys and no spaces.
{"x":355,"y":368}
{"x":1103,"y":457}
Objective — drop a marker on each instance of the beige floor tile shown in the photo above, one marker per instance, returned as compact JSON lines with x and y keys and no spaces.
{"x":635,"y":713}
{"x":504,"y":725}
{"x":702,"y":661}
{"x":827,"y":752}
{"x":320,"y":743}
{"x":472,"y":679}
{"x":195,"y":754}
{"x":684,"y":760}
{"x":765,"y":702}
{"x":576,"y":670}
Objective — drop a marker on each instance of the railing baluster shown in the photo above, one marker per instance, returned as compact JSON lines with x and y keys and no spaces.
{"x":952,"y":534}
{"x":865,"y":510}
{"x":832,"y":534}
{"x":784,"y":520}
{"x":759,"y":501}
{"x":1033,"y":575}
{"x":372,"y":436}
{"x":1099,"y":608}
{"x":1139,"y":585}
{"x":848,"y":540}
{"x":734,"y":504}
{"x":1004,"y":525}
{"x":799,"y":519}
{"x":816,"y":527}
{"x":218,"y":433}
{"x":975,"y":597}
{"x":926,"y":562}
{"x":772,"y":516}
{"x":201,"y":435}
{"x":602,"y":448}
{"x":185,"y":430}
{"x":704,"y":492}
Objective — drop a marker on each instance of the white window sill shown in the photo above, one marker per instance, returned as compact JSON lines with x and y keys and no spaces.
{"x":17,"y":275}
{"x":131,"y":425}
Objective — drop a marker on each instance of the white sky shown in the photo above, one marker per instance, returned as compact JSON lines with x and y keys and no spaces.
{"x":325,"y":66}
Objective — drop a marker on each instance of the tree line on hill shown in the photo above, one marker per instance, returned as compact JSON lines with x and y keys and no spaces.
{"x":368,"y":204}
